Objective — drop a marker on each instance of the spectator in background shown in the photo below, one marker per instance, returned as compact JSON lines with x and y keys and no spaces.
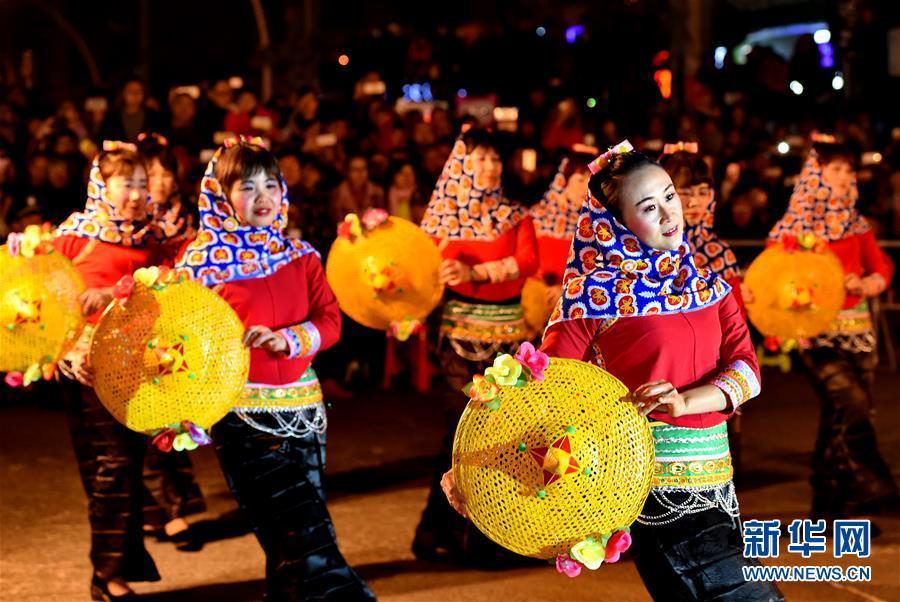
{"x":218,"y":104}
{"x":248,"y":118}
{"x":308,"y":215}
{"x":132,"y":115}
{"x":357,"y":192}
{"x":7,"y":192}
{"x":183,"y":128}
{"x":564,"y":128}
{"x":403,"y":197}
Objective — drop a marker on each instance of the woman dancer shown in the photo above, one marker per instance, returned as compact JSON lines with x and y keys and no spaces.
{"x":272,"y":446}
{"x":489,"y":248}
{"x":849,"y":475}
{"x":633,"y":300}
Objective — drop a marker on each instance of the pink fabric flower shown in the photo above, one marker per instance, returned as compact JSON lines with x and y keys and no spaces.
{"x":534,"y":359}
{"x":14,"y":379}
{"x":122,"y":289}
{"x":617,"y":544}
{"x":568,"y":567}
{"x":374,"y":217}
{"x":14,"y":244}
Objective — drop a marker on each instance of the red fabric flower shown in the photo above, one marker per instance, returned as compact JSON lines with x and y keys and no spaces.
{"x":164,"y":440}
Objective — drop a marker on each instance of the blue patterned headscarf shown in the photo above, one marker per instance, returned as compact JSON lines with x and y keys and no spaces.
{"x":226,"y":250}
{"x":611,"y":274}
{"x":100,"y":220}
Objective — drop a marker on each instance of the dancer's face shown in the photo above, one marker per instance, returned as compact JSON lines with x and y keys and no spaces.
{"x":487,"y":166}
{"x":256,"y":199}
{"x":695,"y":202}
{"x":128,"y":194}
{"x":577,"y":187}
{"x":838,"y":175}
{"x":651,"y":208}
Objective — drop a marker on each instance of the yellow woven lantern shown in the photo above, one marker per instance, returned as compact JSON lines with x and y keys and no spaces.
{"x":384,"y":272}
{"x":797,"y":289}
{"x":552,"y":467}
{"x":536,"y":305}
{"x":40,"y":317}
{"x":169,"y":358}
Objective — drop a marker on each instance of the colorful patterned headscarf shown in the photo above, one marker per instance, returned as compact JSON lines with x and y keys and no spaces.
{"x":815,"y":208}
{"x":554,"y":216}
{"x":225,"y":250}
{"x":462,"y":208}
{"x":100,"y":219}
{"x":611,"y":274}
{"x":709,"y":250}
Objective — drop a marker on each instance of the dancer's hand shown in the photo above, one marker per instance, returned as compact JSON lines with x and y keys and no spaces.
{"x":853,"y":284}
{"x":262,"y":337}
{"x":454,"y":272}
{"x":75,"y":366}
{"x":657,"y":395}
{"x":747,"y":295}
{"x":94,"y":299}
{"x":454,"y":496}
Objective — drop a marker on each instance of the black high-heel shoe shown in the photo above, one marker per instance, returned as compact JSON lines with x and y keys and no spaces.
{"x":100,"y":592}
{"x":185,"y":541}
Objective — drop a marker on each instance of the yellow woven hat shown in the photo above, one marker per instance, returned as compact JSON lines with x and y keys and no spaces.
{"x":797,"y":289}
{"x":384,"y":272}
{"x":551,"y":464}
{"x":40,"y":317}
{"x":168,"y":358}
{"x":535,"y":305}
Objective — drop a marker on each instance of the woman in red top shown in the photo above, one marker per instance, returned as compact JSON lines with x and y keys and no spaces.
{"x":172,"y":492}
{"x":272,"y":445}
{"x":489,"y":249}
{"x":109,"y":239}
{"x":849,"y":474}
{"x":635,"y":302}
{"x":556,"y":216}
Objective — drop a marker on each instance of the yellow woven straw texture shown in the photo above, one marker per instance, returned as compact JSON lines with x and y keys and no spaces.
{"x":497,"y":473}
{"x":169,"y":355}
{"x":398,"y":257}
{"x":795,"y":294}
{"x":535,"y":306}
{"x":39,"y":312}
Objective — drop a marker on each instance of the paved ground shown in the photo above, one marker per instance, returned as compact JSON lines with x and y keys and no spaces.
{"x":378,"y":462}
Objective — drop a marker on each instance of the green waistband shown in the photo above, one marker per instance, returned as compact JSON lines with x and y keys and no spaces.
{"x":691,"y":458}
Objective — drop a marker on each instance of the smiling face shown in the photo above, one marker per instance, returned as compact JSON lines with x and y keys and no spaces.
{"x":650,"y":208}
{"x":128,"y":194}
{"x":256,"y":199}
{"x":487,"y":166}
{"x":695,"y":202}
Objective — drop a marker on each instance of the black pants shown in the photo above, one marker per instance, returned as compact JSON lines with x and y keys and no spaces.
{"x":277,"y":483}
{"x":441,"y":527}
{"x":110,"y":460}
{"x":170,"y":489}
{"x":848,"y":471}
{"x":698,"y":557}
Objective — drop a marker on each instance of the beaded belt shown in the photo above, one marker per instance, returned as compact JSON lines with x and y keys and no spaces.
{"x":479,"y":322}
{"x":689,"y":458}
{"x":262,"y":398}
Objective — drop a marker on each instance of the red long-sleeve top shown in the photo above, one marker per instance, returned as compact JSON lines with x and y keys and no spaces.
{"x":102,"y":264}
{"x":553,"y":253}
{"x":296,"y":297}
{"x":861,"y":255}
{"x":520,"y":242}
{"x":689,"y":349}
